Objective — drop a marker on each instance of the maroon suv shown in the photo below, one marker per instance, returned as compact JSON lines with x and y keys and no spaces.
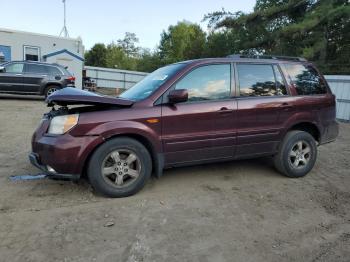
{"x":193,"y":112}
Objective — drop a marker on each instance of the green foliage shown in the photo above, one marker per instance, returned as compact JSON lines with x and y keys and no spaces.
{"x":318,"y":30}
{"x":128,"y":44}
{"x":96,"y":56}
{"x":183,"y":41}
{"x":117,"y":57}
{"x":180,"y":42}
{"x":123,"y":55}
{"x":220,"y":44}
{"x":149,"y":61}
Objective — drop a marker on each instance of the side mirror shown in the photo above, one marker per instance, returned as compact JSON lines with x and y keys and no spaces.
{"x":178,"y":96}
{"x":2,"y":69}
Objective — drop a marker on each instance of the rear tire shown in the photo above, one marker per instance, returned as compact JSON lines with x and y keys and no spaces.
{"x":49,"y":90}
{"x":297,"y":154}
{"x":120,"y":167}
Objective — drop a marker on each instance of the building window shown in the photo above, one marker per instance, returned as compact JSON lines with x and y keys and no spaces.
{"x":31,"y":53}
{"x":2,"y":57}
{"x":5,"y":53}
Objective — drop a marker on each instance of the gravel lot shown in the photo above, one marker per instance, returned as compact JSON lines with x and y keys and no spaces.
{"x":237,"y":211}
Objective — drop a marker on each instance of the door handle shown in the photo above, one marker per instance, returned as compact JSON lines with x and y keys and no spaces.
{"x":225,"y":110}
{"x":286,"y":106}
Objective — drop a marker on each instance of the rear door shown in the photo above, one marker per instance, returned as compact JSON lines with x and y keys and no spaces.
{"x":12,"y":79}
{"x":311,"y":92}
{"x":34,"y":74}
{"x":263,"y":106}
{"x":203,"y":128}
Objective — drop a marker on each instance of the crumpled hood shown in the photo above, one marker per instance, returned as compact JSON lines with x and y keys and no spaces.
{"x":74,"y":96}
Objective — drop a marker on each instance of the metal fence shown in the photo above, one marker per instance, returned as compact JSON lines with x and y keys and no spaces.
{"x":113,"y":78}
{"x":340,"y":85}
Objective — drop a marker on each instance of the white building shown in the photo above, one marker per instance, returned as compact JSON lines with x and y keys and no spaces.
{"x":19,"y":45}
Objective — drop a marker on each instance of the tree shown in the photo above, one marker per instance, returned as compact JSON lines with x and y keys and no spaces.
{"x":117,"y":58}
{"x":316,"y":29}
{"x":182,"y":42}
{"x":96,"y":56}
{"x":149,"y":61}
{"x":123,"y":55}
{"x":221,"y":44}
{"x":128,"y":44}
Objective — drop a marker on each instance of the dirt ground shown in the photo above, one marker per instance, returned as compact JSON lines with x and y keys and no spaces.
{"x":237,"y":211}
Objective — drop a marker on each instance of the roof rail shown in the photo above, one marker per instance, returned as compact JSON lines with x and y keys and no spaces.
{"x":276,"y":57}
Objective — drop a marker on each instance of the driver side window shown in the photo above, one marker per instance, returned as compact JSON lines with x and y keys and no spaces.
{"x":14,"y":68}
{"x":210,"y":82}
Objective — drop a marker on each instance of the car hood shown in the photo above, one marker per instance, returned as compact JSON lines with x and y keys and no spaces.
{"x":74,"y":96}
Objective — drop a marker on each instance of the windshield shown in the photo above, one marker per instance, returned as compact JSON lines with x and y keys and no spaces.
{"x":151,"y":82}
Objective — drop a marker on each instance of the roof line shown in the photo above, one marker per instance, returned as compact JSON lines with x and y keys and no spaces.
{"x":10,"y":31}
{"x":63,"y":51}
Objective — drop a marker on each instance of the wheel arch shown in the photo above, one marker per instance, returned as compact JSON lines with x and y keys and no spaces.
{"x":157,"y":158}
{"x":308,"y":127}
{"x":50,"y":84}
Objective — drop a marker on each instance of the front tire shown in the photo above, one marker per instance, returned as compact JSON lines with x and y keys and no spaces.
{"x":297,"y":154}
{"x":120,"y":167}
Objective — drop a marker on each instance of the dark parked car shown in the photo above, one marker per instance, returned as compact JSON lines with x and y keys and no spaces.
{"x":25,"y":77}
{"x":193,"y":112}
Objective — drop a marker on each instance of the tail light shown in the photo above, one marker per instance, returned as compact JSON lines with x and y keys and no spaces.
{"x":71,"y":78}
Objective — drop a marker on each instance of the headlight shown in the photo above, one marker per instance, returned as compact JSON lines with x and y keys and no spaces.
{"x":62,"y":124}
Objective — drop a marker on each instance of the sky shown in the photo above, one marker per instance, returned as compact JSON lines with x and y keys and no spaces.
{"x":104,"y":21}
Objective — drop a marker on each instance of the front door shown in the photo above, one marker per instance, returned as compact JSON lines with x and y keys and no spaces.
{"x":12,"y":79}
{"x":203,"y":128}
{"x":263,"y":106}
{"x":33,"y":77}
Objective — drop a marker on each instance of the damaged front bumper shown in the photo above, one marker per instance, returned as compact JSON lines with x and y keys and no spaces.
{"x":61,"y":156}
{"x":49,"y":171}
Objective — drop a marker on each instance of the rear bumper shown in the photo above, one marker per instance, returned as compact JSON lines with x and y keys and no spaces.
{"x":331,"y":132}
{"x":34,"y":160}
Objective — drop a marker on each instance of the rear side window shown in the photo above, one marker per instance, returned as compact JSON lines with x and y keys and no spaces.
{"x":259,"y":80}
{"x":306,"y":79}
{"x":209,"y":82}
{"x":36,"y":69}
{"x":53,"y":71}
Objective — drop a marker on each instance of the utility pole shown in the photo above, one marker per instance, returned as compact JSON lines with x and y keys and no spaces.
{"x":64,"y":31}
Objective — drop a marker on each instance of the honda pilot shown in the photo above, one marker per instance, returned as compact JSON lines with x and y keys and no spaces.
{"x":189,"y":113}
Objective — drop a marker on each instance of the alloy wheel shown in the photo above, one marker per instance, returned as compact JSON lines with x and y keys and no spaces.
{"x":300,"y":154}
{"x":51,"y":90}
{"x":121,"y":168}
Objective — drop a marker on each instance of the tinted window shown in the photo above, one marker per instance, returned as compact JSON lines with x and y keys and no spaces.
{"x":36,"y":69}
{"x":306,"y":79}
{"x":256,"y":80}
{"x":14,"y":68}
{"x":53,"y":71}
{"x":151,"y":82}
{"x":207,"y":83}
{"x":280,"y":84}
